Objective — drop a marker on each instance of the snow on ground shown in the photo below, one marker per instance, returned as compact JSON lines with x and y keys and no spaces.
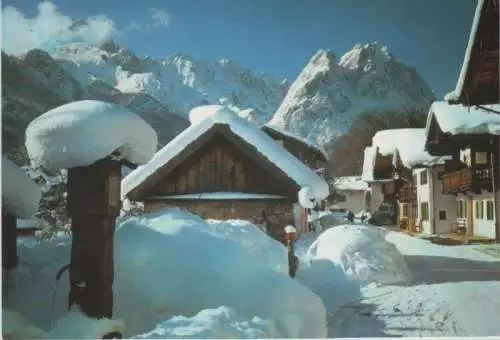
{"x":82,"y":132}
{"x":256,"y":242}
{"x":20,"y":195}
{"x":170,"y":264}
{"x":215,"y":323}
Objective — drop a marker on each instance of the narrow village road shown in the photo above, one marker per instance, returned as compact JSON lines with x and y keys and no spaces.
{"x":458,"y":286}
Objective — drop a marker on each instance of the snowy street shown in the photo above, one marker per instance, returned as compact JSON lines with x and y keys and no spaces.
{"x":453,"y":292}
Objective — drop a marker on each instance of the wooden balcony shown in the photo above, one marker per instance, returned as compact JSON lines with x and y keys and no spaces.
{"x":467,"y":180}
{"x":407,"y":194}
{"x":457,"y":181}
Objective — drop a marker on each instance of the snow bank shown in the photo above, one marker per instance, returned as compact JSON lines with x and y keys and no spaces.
{"x":216,"y":323}
{"x":15,"y":326}
{"x":174,"y":263}
{"x":459,"y":119}
{"x":363,"y":254}
{"x":255,"y":241}
{"x":81,"y":132}
{"x":204,"y":118}
{"x":407,"y":144}
{"x":20,"y":195}
{"x":355,"y":183}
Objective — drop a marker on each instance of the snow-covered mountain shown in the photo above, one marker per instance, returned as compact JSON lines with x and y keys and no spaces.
{"x":329,"y":96}
{"x":162,"y":91}
{"x":179,"y":82}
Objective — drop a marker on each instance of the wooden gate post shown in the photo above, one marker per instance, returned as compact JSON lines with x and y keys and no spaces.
{"x":290,"y":233}
{"x":9,"y":241}
{"x":93,"y":205}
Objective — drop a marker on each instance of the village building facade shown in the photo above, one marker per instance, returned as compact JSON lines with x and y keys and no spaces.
{"x":467,"y":126}
{"x":224,"y":167}
{"x":352,"y":194}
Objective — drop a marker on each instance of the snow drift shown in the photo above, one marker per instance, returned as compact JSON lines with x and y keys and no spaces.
{"x":362,"y":253}
{"x":169,"y":264}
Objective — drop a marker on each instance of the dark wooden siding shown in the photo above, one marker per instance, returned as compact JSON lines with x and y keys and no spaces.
{"x":219,"y":166}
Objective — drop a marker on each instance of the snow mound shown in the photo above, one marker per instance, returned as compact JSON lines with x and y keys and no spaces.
{"x":82,"y":132}
{"x":20,"y":195}
{"x":363,"y":254}
{"x":255,"y":241}
{"x":169,"y":264}
{"x":306,"y":197}
{"x":76,"y":325}
{"x":216,"y":323}
{"x":173,"y":263}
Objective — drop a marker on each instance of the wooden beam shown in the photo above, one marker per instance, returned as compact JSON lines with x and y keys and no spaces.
{"x":9,"y":241}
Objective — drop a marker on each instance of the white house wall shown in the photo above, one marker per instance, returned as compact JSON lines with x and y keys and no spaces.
{"x":424,"y":195}
{"x":444,"y":206}
{"x":482,"y":226}
{"x":354,"y":200}
{"x":377,"y":196}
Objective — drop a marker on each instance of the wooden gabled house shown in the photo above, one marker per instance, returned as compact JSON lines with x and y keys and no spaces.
{"x":472,"y":135}
{"x":224,"y":167}
{"x":479,"y":76}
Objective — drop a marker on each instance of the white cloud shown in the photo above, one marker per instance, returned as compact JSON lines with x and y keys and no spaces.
{"x":158,"y":18}
{"x":21,"y":34}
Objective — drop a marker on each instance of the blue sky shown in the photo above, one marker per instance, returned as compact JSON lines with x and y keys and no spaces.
{"x":280,"y":36}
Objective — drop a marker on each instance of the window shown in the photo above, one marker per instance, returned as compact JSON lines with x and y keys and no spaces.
{"x":489,"y":210}
{"x":423,"y":177}
{"x":462,"y":209}
{"x":442,"y":215}
{"x":424,"y":208}
{"x":440,"y":175}
{"x":481,"y":158}
{"x":405,"y":210}
{"x":479,"y":210}
{"x":415,"y":179}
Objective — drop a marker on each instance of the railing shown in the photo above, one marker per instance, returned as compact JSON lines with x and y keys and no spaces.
{"x":457,"y":181}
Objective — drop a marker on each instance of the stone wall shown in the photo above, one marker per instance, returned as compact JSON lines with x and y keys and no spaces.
{"x":270,"y":215}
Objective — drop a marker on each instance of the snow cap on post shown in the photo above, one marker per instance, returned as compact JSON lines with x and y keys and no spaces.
{"x":82,"y":132}
{"x":290,"y":232}
{"x":20,"y":195}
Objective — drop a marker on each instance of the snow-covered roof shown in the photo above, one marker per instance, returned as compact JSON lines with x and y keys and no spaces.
{"x":265,"y":145}
{"x":407,"y":144}
{"x":463,"y":120}
{"x":82,"y":132}
{"x":353,"y":183}
{"x":298,"y":138}
{"x":20,"y":195}
{"x":455,"y":94}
